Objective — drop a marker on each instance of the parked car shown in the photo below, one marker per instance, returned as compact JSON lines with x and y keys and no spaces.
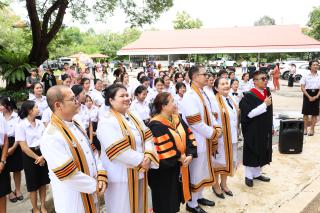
{"x":285,"y":67}
{"x":302,"y":70}
{"x":219,"y":61}
{"x":183,"y":62}
{"x":61,"y":61}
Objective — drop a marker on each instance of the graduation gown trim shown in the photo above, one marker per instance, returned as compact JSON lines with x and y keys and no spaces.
{"x":212,"y":144}
{"x":78,"y":158}
{"x":180,"y":136}
{"x":227,"y":138}
{"x":133,"y":174}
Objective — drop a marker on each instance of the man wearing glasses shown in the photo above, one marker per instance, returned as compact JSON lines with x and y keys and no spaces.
{"x":76,"y":173}
{"x":256,"y":121}
{"x":198,"y":113}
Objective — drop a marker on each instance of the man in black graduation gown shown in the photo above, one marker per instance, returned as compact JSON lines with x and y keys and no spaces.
{"x":256,"y":121}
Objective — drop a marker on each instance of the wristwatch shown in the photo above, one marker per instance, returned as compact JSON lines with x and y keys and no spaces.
{"x":4,"y":162}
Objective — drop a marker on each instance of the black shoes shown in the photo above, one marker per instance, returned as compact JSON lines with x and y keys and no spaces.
{"x":206,"y":202}
{"x":197,"y":209}
{"x":249,"y":182}
{"x":227,"y":192}
{"x":262,"y":178}
{"x":221,"y":195}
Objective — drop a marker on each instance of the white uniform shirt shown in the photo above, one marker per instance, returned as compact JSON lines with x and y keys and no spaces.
{"x":210,"y":93}
{"x":41,"y":103}
{"x":245,"y":86}
{"x":12,"y":124}
{"x":141,"y":109}
{"x":178,"y":101}
{"x":82,"y":117}
{"x":237,"y":98}
{"x":311,"y":81}
{"x":26,"y":132}
{"x":93,"y":113}
{"x":46,"y":116}
{"x":97,"y":97}
{"x":3,"y":129}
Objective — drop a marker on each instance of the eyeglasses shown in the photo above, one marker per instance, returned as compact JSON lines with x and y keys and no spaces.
{"x":262,"y":78}
{"x":73,"y":99}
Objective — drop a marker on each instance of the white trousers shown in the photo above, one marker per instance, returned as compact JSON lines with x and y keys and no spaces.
{"x":193,"y":203}
{"x":252,"y":172}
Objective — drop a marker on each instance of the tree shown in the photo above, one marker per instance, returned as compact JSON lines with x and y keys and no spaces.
{"x":184,"y":21}
{"x":314,"y":23}
{"x":265,"y":20}
{"x":46,"y":17}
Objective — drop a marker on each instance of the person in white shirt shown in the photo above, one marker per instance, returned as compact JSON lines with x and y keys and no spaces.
{"x":208,"y":89}
{"x":5,"y":187}
{"x":96,"y":93}
{"x":36,"y":96}
{"x":14,"y":159}
{"x":129,"y":153}
{"x":85,"y":83}
{"x":82,"y":117}
{"x":139,"y":105}
{"x":28,"y":134}
{"x":225,"y":160}
{"x":186,"y":80}
{"x":245,"y":85}
{"x":235,"y":93}
{"x":244,"y":65}
{"x":181,"y":90}
{"x":124,"y":78}
{"x":76,"y":172}
{"x":93,"y":122}
{"x":167,"y":85}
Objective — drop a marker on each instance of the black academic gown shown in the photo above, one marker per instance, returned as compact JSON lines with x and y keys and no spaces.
{"x":166,"y":188}
{"x":257,"y":132}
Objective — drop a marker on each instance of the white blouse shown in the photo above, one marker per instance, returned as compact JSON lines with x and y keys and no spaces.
{"x":12,"y":123}
{"x":42,"y":103}
{"x":311,"y":81}
{"x":3,"y":129}
{"x":141,"y":109}
{"x":26,"y":132}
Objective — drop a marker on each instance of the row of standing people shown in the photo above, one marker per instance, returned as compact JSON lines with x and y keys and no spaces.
{"x":122,"y":146}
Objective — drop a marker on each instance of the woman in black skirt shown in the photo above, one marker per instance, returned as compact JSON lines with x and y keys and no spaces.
{"x":14,"y":160}
{"x":5,"y":187}
{"x":176,"y":147}
{"x":28,"y":134}
{"x":310,"y":86}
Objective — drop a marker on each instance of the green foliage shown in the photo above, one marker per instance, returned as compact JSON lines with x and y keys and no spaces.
{"x":184,"y":21}
{"x":15,"y":39}
{"x":314,"y":23}
{"x":13,"y":66}
{"x":17,"y":96}
{"x":265,"y":20}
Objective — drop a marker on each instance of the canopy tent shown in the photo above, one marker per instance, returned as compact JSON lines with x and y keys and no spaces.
{"x":260,"y":39}
{"x":82,"y":58}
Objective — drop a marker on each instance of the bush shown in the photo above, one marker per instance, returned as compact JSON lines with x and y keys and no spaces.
{"x":17,"y":96}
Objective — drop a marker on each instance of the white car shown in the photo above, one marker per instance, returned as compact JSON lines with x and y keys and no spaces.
{"x":302,"y":70}
{"x":183,"y":62}
{"x":285,"y":67}
{"x":219,"y":61}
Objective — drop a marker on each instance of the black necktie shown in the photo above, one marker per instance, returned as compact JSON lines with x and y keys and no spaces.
{"x":235,"y":93}
{"x":228,"y":101}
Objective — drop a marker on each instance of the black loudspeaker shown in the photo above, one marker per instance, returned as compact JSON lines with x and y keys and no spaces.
{"x":291,"y":136}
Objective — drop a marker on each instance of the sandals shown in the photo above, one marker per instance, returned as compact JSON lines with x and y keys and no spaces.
{"x":14,"y":199}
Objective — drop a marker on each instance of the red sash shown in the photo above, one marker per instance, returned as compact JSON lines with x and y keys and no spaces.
{"x":258,"y":93}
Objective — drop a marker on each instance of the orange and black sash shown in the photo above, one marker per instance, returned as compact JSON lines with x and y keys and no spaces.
{"x":227,"y":137}
{"x":211,"y":144}
{"x":180,"y":139}
{"x":133,"y":174}
{"x":78,"y":157}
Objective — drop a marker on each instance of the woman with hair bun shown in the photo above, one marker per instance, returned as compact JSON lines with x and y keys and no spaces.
{"x":28,"y":134}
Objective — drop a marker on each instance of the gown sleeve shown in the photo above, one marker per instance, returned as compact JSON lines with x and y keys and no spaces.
{"x":191,"y":143}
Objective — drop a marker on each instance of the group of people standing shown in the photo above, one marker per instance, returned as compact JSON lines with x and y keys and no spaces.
{"x":177,"y":137}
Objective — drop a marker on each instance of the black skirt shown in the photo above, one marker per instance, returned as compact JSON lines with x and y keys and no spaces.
{"x":290,"y":80}
{"x":95,"y":141}
{"x":14,"y":161}
{"x":5,"y":186}
{"x":36,"y":175}
{"x":310,"y":108}
{"x":166,"y":189}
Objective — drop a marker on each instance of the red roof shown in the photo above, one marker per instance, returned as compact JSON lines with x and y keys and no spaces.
{"x":261,"y":39}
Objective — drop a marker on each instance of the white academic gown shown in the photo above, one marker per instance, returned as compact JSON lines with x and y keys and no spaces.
{"x":117,"y":194}
{"x":200,"y":168}
{"x":67,"y":190}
